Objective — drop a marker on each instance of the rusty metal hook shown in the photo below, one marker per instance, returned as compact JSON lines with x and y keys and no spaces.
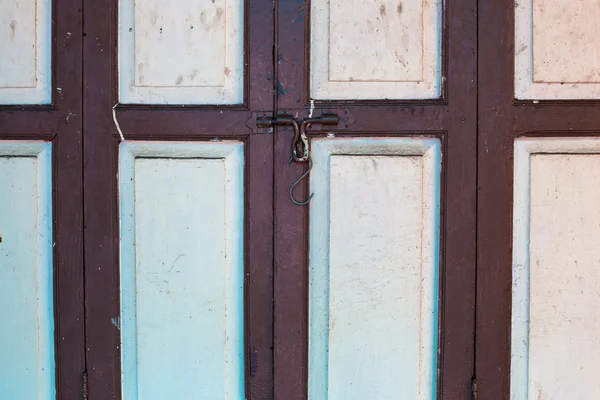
{"x":300,"y":148}
{"x":304,"y":175}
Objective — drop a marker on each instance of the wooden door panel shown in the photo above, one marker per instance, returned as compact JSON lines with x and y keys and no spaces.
{"x":27,"y":369}
{"x":182,"y":269}
{"x":375,"y":50}
{"x":175,"y":109}
{"x":189,"y":54}
{"x":538,"y":129}
{"x":41,"y":215}
{"x":383,"y":103}
{"x":26,"y":48}
{"x":557,"y":56}
{"x":374,"y":268}
{"x":554,"y":345}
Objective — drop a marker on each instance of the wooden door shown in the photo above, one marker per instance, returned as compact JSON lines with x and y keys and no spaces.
{"x":178,"y":199}
{"x":538,"y":185}
{"x":375,"y":277}
{"x":41,"y":215}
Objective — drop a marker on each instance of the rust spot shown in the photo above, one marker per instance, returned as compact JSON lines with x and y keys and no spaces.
{"x":400,"y":8}
{"x":227,"y":71}
{"x":382,"y":11}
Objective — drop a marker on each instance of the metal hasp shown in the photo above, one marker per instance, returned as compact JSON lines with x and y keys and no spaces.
{"x":300,"y":146}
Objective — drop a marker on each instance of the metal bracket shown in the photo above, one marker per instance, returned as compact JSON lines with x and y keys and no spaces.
{"x":320,"y":119}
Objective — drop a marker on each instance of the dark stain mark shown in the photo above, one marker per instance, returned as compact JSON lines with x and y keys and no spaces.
{"x":219,"y":14}
{"x":253,"y":361}
{"x":227,"y":71}
{"x":280,"y":89}
{"x":400,"y":8}
{"x":160,"y":30}
{"x":179,"y":80}
{"x":382,"y":10}
{"x":140,"y":72}
{"x":269,"y":76}
{"x":193,"y":74}
{"x":13,"y":24}
{"x":191,"y":26}
{"x":130,"y":29}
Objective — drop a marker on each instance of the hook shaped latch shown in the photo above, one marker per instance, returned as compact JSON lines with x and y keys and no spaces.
{"x":304,"y":175}
{"x":300,"y":144}
{"x":301,"y":150}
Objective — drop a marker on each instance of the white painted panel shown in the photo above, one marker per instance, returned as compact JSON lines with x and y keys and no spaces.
{"x":374,"y":244}
{"x":557,"y":49}
{"x":375,"y":49}
{"x":25,"y":51}
{"x":182,"y":270}
{"x":26,"y":295}
{"x":556,"y":270}
{"x":182,"y":52}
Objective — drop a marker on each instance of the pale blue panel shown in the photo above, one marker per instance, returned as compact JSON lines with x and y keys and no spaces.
{"x":182,"y":270}
{"x":26,"y":295}
{"x":374,"y":245}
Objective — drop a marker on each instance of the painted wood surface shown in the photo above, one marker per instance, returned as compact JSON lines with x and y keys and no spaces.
{"x":182,"y":270}
{"x":374,"y":258}
{"x":556,"y":259}
{"x":26,"y":294}
{"x":25,"y":52}
{"x":557,"y":49}
{"x":186,"y":52}
{"x":378,"y":49}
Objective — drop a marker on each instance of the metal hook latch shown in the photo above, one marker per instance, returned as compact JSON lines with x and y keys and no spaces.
{"x":300,"y":145}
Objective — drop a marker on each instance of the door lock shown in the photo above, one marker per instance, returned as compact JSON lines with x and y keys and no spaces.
{"x":300,"y":146}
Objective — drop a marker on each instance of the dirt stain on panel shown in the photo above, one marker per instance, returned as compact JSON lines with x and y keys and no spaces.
{"x":13,"y":25}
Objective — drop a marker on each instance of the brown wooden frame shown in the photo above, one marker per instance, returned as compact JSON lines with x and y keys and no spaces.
{"x":453,"y":118}
{"x":173,"y":123}
{"x":501,"y":120}
{"x":61,"y":124}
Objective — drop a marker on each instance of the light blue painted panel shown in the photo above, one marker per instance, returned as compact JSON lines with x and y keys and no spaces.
{"x":26,"y":295}
{"x":182,"y":270}
{"x":374,"y":243}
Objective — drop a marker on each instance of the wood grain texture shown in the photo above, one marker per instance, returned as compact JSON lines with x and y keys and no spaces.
{"x":374,"y":268}
{"x":26,"y":48}
{"x":182,"y":270}
{"x":27,"y":366}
